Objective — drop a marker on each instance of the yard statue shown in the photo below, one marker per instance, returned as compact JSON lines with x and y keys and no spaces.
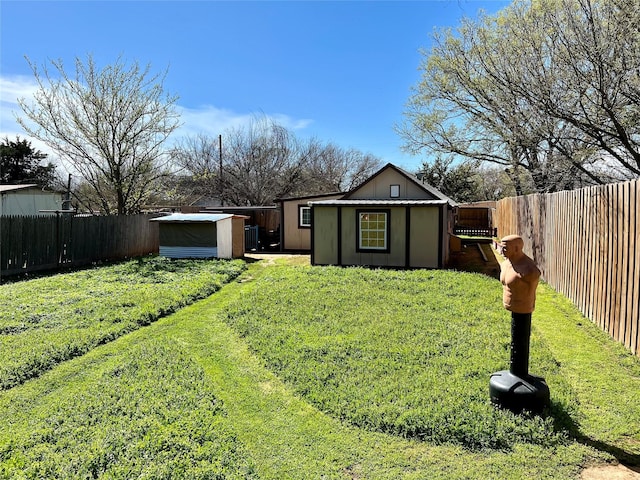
{"x":515,"y":389}
{"x":519,"y":277}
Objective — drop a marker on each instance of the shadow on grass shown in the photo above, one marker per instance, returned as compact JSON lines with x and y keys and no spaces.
{"x":562,"y":421}
{"x":628,"y":459}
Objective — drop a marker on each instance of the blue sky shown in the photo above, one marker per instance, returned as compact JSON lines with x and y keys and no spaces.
{"x":339,"y":71}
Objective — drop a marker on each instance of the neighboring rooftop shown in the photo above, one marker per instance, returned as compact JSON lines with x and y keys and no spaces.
{"x":11,"y":188}
{"x":193,"y":217}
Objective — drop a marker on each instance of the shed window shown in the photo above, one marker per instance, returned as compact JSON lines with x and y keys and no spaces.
{"x":373,"y":231}
{"x":304,"y":216}
{"x":394,"y":191}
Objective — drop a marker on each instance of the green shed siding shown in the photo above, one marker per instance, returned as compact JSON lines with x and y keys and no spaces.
{"x":188,"y":234}
{"x":416,"y":237}
{"x":425,"y":237}
{"x":396,"y":256}
{"x":325,"y":236}
{"x":416,"y":232}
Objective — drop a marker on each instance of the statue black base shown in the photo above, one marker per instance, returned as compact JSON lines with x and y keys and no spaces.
{"x":517,"y":394}
{"x":515,"y":389}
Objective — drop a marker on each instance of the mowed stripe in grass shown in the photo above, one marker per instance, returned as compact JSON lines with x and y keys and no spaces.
{"x":139,"y":407}
{"x":402,"y":352}
{"x":185,"y":398}
{"x":271,"y":430}
{"x":288,"y":438}
{"x":48,"y":320}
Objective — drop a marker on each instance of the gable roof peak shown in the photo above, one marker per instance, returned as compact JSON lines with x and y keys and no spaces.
{"x":411,"y":177}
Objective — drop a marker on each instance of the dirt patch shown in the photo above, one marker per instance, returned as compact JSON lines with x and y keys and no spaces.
{"x":267,"y":259}
{"x":476,"y":257}
{"x":611,"y":472}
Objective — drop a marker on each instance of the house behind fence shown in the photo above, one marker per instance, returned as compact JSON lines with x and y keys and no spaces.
{"x":28,"y":200}
{"x":586,"y":245}
{"x":36,"y":243}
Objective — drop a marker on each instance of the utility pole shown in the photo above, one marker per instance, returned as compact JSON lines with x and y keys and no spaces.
{"x":220,"y":170}
{"x":66,"y":204}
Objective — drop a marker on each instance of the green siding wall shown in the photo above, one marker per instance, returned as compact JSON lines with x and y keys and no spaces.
{"x":397,"y":240}
{"x":425,"y":236}
{"x":414,"y":237}
{"x":325,"y":236}
{"x":188,"y":234}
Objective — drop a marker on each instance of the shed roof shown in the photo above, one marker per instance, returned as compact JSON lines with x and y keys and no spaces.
{"x":379,"y":203}
{"x":193,"y":217}
{"x":8,"y":188}
{"x":309,"y":197}
{"x":12,"y":188}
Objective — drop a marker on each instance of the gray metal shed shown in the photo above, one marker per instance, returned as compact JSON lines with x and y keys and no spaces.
{"x":201,"y":235}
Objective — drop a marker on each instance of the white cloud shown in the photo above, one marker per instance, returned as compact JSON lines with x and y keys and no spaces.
{"x":207,"y":119}
{"x":214,"y":121}
{"x":16,"y":86}
{"x":292,"y":123}
{"x":12,"y":88}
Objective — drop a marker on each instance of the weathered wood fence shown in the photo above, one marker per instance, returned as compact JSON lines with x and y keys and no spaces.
{"x":586,"y":244}
{"x":474,"y":221}
{"x":29,"y":244}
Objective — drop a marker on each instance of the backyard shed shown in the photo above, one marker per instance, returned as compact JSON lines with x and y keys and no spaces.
{"x":391,"y":220}
{"x":295,"y":221}
{"x":201,"y":235}
{"x":28,"y":200}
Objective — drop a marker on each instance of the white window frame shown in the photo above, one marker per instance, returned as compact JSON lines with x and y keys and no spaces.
{"x":373,"y":227}
{"x":301,"y":212}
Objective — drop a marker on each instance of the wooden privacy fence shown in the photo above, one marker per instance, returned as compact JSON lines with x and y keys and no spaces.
{"x":474,"y":221}
{"x":29,"y":244}
{"x":586,"y":245}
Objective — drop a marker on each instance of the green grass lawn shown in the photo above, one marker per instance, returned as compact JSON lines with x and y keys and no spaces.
{"x":51,"y":319}
{"x":315,"y":372}
{"x":403,"y":352}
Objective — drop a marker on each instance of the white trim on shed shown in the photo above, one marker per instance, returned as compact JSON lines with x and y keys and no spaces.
{"x":197,"y":242}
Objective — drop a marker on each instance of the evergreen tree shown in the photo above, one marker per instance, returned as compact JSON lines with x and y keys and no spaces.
{"x":20,"y":163}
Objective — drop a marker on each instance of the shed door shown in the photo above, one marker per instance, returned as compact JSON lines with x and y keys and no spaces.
{"x":425,"y":237}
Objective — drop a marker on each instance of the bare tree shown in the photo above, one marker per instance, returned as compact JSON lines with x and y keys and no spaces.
{"x":330,"y":168}
{"x":595,"y":52}
{"x":527,"y":89}
{"x":106,"y":125}
{"x":260,"y":163}
{"x":462,"y":105}
{"x":263,"y":161}
{"x":200,"y":163}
